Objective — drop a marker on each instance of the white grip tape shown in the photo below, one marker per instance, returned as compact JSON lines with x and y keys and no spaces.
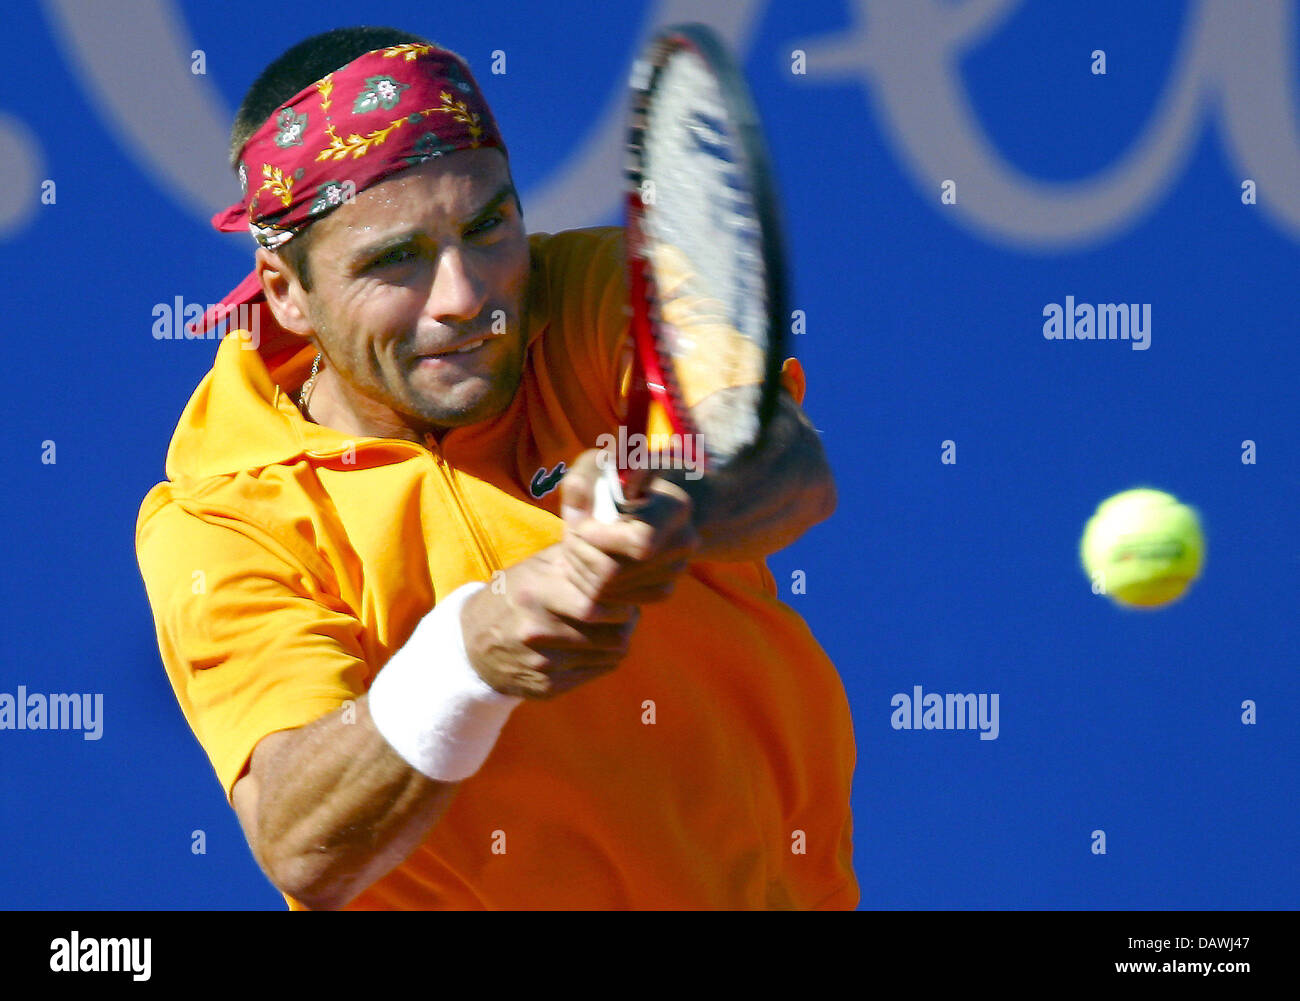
{"x":608,"y":495}
{"x":430,"y":704}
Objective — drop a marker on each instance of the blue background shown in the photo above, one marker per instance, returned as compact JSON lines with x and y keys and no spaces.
{"x":921,"y":328}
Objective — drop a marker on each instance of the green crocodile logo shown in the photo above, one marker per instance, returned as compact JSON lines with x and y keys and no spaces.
{"x":545,"y":480}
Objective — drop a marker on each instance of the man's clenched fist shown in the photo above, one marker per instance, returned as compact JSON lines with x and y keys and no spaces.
{"x":566,"y":615}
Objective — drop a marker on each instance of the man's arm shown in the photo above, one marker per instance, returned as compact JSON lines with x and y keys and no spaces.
{"x":331,"y":807}
{"x":769,"y":496}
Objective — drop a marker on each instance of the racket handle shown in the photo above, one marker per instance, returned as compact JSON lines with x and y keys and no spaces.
{"x":609,"y":496}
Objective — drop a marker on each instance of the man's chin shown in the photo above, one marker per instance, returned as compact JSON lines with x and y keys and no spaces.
{"x":474,"y":396}
{"x":466,"y":405}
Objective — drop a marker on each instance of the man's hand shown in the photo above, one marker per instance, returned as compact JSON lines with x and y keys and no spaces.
{"x":768,"y":496}
{"x":566,"y":615}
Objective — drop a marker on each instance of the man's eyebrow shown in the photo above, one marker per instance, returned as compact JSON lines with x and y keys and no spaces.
{"x":505,"y":191}
{"x":403,"y":237}
{"x":371,"y":251}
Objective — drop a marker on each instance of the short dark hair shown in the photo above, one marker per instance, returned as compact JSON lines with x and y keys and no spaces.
{"x":297,"y":69}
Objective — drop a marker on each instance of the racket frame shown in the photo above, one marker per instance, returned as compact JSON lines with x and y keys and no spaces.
{"x":652,"y":372}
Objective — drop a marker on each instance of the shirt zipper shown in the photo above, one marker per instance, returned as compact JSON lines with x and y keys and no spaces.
{"x":486,"y":551}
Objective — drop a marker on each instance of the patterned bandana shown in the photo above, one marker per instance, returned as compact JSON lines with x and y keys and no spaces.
{"x":382,"y":113}
{"x":385,"y":111}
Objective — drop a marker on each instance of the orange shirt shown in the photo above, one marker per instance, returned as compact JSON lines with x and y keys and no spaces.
{"x":285,"y":563}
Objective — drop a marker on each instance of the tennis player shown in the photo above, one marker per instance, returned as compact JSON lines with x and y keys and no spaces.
{"x":425,"y":676}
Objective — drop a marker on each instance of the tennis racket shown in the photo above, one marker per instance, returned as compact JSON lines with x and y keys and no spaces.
{"x":705,"y":268}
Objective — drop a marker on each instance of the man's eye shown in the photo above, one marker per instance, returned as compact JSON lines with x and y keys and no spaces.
{"x":393,"y":257}
{"x":486,"y":225}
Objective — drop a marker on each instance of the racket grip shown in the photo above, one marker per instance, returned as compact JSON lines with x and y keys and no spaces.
{"x":609,"y":496}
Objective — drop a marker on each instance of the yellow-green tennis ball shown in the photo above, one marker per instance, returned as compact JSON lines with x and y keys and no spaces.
{"x":1142,"y":548}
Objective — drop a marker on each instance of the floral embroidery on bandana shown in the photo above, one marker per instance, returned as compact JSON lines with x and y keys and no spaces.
{"x":408,"y":51}
{"x":326,"y":86}
{"x":359,"y":145}
{"x":331,"y":194}
{"x":277,"y":183}
{"x":291,"y":128}
{"x":379,"y":92}
{"x":459,"y":111}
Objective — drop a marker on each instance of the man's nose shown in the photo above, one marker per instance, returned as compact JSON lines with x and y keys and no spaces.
{"x":458,"y":293}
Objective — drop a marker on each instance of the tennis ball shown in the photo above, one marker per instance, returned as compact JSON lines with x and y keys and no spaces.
{"x":1142,"y":548}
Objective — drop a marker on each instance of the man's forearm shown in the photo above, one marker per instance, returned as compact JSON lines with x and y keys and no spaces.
{"x":770,"y":497}
{"x":332,"y":807}
{"x":338,"y":808}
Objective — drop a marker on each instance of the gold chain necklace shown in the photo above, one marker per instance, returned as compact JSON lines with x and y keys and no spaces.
{"x":310,"y":384}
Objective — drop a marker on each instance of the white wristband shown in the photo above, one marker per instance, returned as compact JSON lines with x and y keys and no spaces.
{"x":430,"y":704}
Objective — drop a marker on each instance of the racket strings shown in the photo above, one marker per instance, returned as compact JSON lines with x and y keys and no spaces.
{"x":703,"y":239}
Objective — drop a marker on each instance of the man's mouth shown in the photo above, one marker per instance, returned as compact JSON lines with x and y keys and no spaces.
{"x":469,"y":347}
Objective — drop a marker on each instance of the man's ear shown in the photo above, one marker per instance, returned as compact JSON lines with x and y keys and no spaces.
{"x":284,"y":293}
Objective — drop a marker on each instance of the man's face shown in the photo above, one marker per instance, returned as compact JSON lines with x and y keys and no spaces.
{"x":418,"y":293}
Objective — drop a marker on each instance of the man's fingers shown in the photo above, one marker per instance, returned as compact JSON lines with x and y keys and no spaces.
{"x":582,"y":601}
{"x":578,"y":488}
{"x":562,"y":635}
{"x":661,"y":521}
{"x":537,"y":685}
{"x":603,"y":577}
{"x":651,"y":591}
